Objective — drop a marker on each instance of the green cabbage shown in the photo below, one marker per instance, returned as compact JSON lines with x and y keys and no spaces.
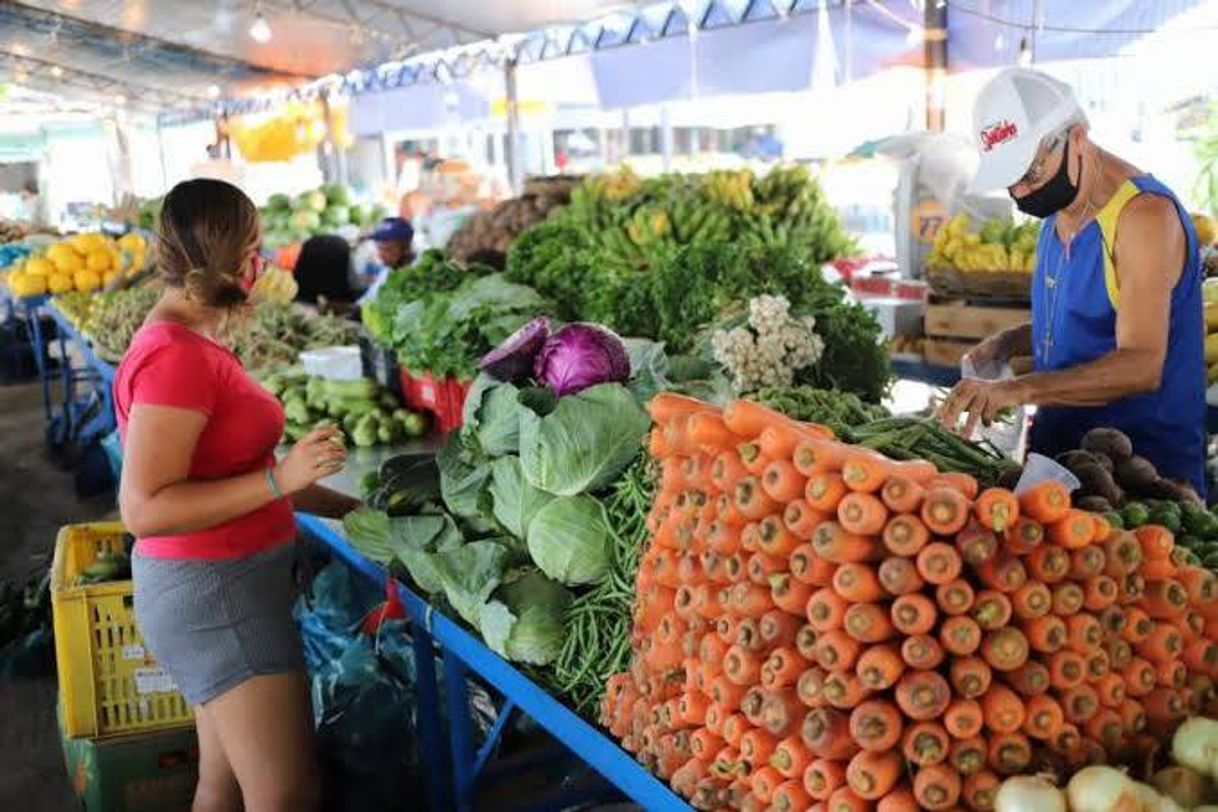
{"x":470,"y":574}
{"x":492,"y":416}
{"x":525,"y":620}
{"x":462,"y":479}
{"x":569,"y":540}
{"x":584,"y":444}
{"x":515,"y":500}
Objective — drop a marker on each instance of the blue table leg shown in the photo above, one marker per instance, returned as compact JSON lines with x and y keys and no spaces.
{"x":40,"y":359}
{"x":427,"y":718}
{"x":460,"y":731}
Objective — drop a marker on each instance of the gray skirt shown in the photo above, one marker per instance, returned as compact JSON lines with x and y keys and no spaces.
{"x":215,"y":624}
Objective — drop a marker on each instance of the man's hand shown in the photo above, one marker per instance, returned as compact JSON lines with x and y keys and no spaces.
{"x":994,"y":350}
{"x":982,"y":400}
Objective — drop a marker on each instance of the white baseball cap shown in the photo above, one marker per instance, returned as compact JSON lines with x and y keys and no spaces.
{"x":1013,"y":113}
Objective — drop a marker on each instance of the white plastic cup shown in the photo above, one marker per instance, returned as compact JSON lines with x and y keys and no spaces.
{"x":1038,"y":468}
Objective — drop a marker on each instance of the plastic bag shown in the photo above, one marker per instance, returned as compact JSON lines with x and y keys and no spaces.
{"x":1038,"y":468}
{"x":1006,"y":435}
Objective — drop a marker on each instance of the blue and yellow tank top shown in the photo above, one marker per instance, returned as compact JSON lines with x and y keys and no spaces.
{"x":1075,"y":294}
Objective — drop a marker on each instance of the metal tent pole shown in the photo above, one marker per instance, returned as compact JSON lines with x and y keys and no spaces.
{"x":514,"y":158}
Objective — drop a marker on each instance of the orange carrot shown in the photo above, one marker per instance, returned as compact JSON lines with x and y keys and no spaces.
{"x":923,"y":695}
{"x":826,"y":610}
{"x":945,"y":511}
{"x":976,"y":544}
{"x":960,"y":635}
{"x":811,"y":685}
{"x":722,"y":537}
{"x":751,"y":500}
{"x":741,"y":666}
{"x":880,"y":666}
{"x":1084,"y":633}
{"x":843,"y":690}
{"x":781,"y":711}
{"x":1171,"y":674}
{"x":725,"y":629}
{"x":970,"y":677}
{"x":1004,"y":573}
{"x":815,"y":456}
{"x":1105,"y":727}
{"x":725,"y":693}
{"x":1111,"y":690}
{"x":831,"y":541}
{"x":991,"y":609}
{"x":1079,"y":703}
{"x":1098,"y":664}
{"x":789,"y":594}
{"x":876,"y":725}
{"x":1158,"y":570}
{"x":782,"y":482}
{"x":1165,"y":600}
{"x":965,"y":484}
{"x":1067,"y":599}
{"x":748,"y":418}
{"x":1156,"y":542}
{"x":748,"y":631}
{"x":657,"y":446}
{"x":913,"y":614}
{"x":1003,"y":710}
{"x":1163,"y":705}
{"x":937,"y":787}
{"x":779,"y":628}
{"x":800,"y":519}
{"x":782,"y":668}
{"x":1067,"y":669}
{"x":899,"y":576}
{"x":763,"y":783}
{"x":1009,"y":753}
{"x":691,"y":708}
{"x":963,"y":719}
{"x":1005,"y":649}
{"x":1073,"y":530}
{"x":748,"y":600}
{"x":980,"y":789}
{"x":803,"y":563}
{"x":1133,"y":716}
{"x":871,"y":775}
{"x":1086,"y":562}
{"x":790,"y":796}
{"x":939,"y":563}
{"x":778,"y":441}
{"x":1045,"y":634}
{"x":1046,"y":502}
{"x":868,"y":623}
{"x":857,"y":583}
{"x":922,"y":652}
{"x":900,"y":799}
{"x":823,"y":776}
{"x":862,"y":514}
{"x":967,"y":756}
{"x":1032,"y":600}
{"x":902,"y":495}
{"x":1043,"y":718}
{"x":1068,"y":741}
{"x":996,"y":508}
{"x":733,"y":729}
{"x":726,"y":510}
{"x":1138,"y":625}
{"x":926,"y":743}
{"x":759,"y":566}
{"x":1030,"y":679}
{"x":1048,"y":564}
{"x":773,"y":537}
{"x":1201,"y":655}
{"x":1113,"y":619}
{"x":905,"y":535}
{"x":726,"y":469}
{"x":756,"y":745}
{"x":666,"y":407}
{"x":837,"y":651}
{"x":864,"y":472}
{"x":844,"y":799}
{"x":1122,"y":554}
{"x":1200,"y":583}
{"x":825,"y":490}
{"x":712,"y":567}
{"x":826,"y":733}
{"x":1131,"y":589}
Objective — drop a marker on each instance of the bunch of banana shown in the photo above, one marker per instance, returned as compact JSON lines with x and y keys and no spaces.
{"x":780,"y":186}
{"x":614,"y":186}
{"x":648,"y":225}
{"x":693,"y":220}
{"x":275,"y":285}
{"x":998,"y":246}
{"x":731,"y":188}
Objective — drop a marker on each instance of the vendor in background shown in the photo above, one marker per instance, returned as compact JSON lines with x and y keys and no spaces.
{"x":393,"y":239}
{"x":1117,"y":331}
{"x":323,"y":274}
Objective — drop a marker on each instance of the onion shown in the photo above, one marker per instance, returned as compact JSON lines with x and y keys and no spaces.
{"x":1103,"y":789}
{"x":1183,"y":785}
{"x":1196,"y":745}
{"x":1025,"y":793}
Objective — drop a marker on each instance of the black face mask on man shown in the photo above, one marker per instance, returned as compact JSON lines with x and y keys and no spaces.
{"x":1057,"y":193}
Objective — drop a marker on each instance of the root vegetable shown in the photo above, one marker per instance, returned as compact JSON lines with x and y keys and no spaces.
{"x":1026,"y":793}
{"x":1195,"y":745}
{"x":1183,"y":785}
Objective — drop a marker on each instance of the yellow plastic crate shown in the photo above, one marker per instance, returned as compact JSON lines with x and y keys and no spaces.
{"x":108,"y":682}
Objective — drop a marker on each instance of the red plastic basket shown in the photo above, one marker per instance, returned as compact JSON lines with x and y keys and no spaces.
{"x":444,"y":398}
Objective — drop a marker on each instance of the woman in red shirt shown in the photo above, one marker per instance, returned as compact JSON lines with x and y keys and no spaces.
{"x":213,"y":512}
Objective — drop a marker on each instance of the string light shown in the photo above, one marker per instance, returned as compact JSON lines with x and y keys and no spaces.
{"x":213,"y":91}
{"x":260,"y":30}
{"x":56,"y":71}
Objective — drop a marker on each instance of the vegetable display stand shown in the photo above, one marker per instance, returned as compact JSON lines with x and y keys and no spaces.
{"x":108,"y":682}
{"x":147,"y":772}
{"x":443,"y":398}
{"x":464,"y":654}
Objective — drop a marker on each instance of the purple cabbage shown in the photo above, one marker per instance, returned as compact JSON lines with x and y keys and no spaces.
{"x":579,"y":356}
{"x":512,"y":361}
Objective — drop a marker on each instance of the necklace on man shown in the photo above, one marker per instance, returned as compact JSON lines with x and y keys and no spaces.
{"x":1051,"y":280}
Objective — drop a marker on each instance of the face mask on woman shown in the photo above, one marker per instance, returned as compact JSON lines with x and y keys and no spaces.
{"x":1057,"y":192}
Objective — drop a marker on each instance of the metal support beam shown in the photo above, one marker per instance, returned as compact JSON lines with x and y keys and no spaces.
{"x":98,"y":82}
{"x":514,"y":157}
{"x":665,"y":138}
{"x":377,"y":30}
{"x":935,"y":49}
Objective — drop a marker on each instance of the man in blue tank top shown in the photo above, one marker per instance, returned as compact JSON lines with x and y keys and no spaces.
{"x":1117,"y":331}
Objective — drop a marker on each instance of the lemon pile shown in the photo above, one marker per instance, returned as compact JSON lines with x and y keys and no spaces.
{"x":84,"y":262}
{"x":998,"y":245}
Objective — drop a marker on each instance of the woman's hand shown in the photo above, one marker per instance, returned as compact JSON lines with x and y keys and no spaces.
{"x":319,"y":454}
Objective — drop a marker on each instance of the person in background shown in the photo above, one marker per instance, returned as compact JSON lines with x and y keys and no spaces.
{"x":213,"y":511}
{"x":1117,"y":329}
{"x":394,"y":241}
{"x":323,"y":273}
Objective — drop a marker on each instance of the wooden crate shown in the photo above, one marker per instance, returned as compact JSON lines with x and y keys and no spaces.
{"x":947,"y":352}
{"x":955,"y":319}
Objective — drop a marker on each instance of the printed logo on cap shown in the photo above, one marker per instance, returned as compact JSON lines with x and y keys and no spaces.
{"x":996,"y":134}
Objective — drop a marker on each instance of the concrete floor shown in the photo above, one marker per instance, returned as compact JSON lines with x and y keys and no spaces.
{"x":36,"y":498}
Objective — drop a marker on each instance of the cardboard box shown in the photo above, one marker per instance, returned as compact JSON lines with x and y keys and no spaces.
{"x":146,"y":772}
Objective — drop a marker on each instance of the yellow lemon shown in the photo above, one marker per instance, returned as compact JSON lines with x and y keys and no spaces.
{"x":60,"y":283}
{"x":108,"y":277}
{"x":39,"y":266}
{"x":59,"y":250}
{"x":98,"y":261}
{"x":68,"y":263}
{"x":87,"y":280}
{"x":23,"y":284}
{"x":133,"y":242}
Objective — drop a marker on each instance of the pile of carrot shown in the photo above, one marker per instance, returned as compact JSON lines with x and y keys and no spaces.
{"x":818,"y":627}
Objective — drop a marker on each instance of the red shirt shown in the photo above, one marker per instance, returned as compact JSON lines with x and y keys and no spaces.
{"x":168,"y":364}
